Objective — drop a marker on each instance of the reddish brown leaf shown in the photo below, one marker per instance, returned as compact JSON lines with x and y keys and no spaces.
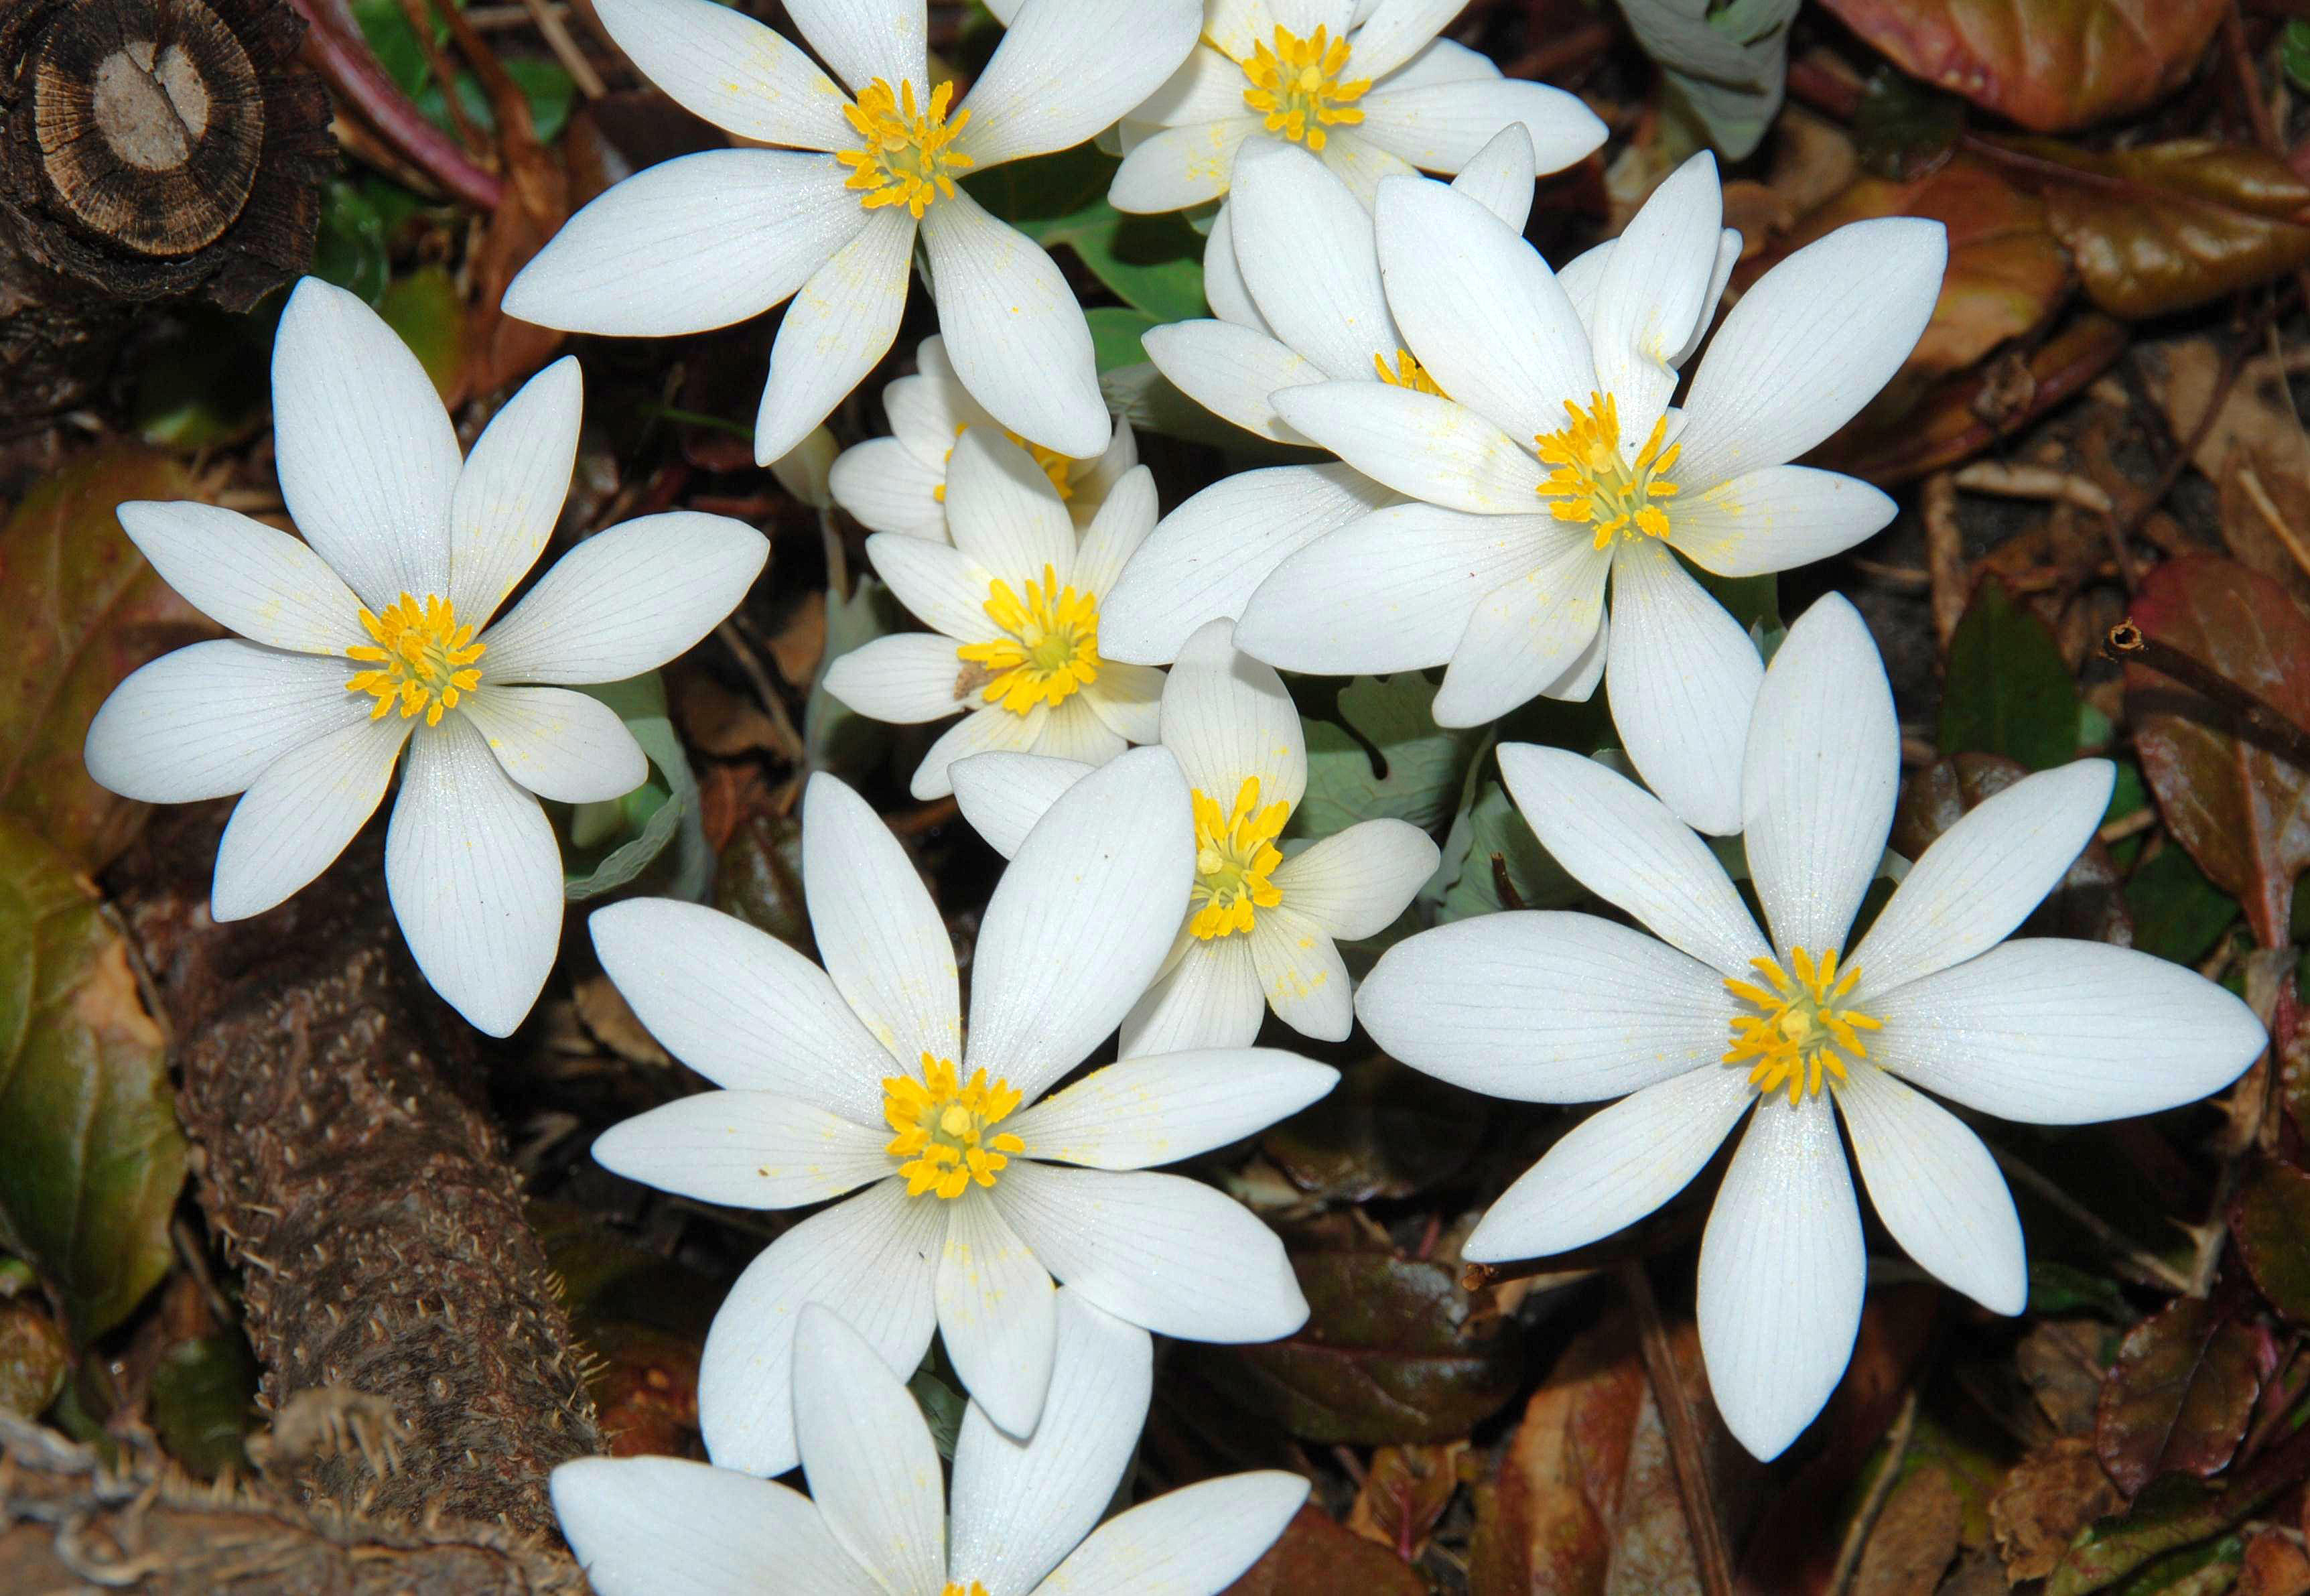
{"x":1316,"y":1555}
{"x":2275,"y":1567}
{"x":2049,"y":65}
{"x":1405,"y":1491}
{"x":2243,"y":811}
{"x":2179,"y":1396}
{"x":2270,"y":1220}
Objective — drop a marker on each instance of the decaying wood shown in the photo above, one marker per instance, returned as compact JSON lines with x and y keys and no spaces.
{"x":343,"y":1152}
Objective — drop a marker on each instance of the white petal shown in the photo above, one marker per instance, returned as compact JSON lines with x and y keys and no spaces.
{"x":747,"y":1149}
{"x":1127,"y":699}
{"x":904,"y":679}
{"x":2054,"y":1032}
{"x":1224,"y":289}
{"x":1781,"y":1276}
{"x":1068,"y":68}
{"x":1645,"y":306}
{"x":1422,"y":446}
{"x":262,"y":584}
{"x":1122,"y":523}
{"x":1810,"y":344}
{"x":558,"y":743}
{"x":941,"y":587}
{"x":871,"y":1258}
{"x":1208,"y":997}
{"x":1167,"y":1253}
{"x":1304,"y":245}
{"x":886,"y":489}
{"x":1441,"y":128}
{"x":696,"y":242}
{"x":1500,"y":175}
{"x":1480,"y":309}
{"x":1397,"y":31}
{"x":1582,"y":277}
{"x":1077,"y":732}
{"x":662,"y":1526}
{"x":986,"y":730}
{"x":842,"y":321}
{"x":1098,"y":480}
{"x":1004,"y":514}
{"x":1615,"y":1167}
{"x":1623,"y":845}
{"x":509,"y":495}
{"x":1206,"y":557}
{"x":1776,"y":519}
{"x":1728,"y":256}
{"x":1439,"y":61}
{"x":1391,"y":591}
{"x":1004,"y":794}
{"x":1982,"y":877}
{"x":1355,"y":882}
{"x":739,"y":1006}
{"x":1208,"y":86}
{"x":1193,"y":1541}
{"x":1080,"y":921}
{"x":1526,"y":633}
{"x":1544,"y":1007}
{"x":1013,"y":330}
{"x":1937,"y":1189}
{"x":995,"y":1313}
{"x":1823,"y":768}
{"x":1180,"y":166}
{"x":627,"y":600}
{"x":882,"y":939}
{"x":865,"y":40}
{"x":721,"y":65}
{"x":1235,"y":26}
{"x":1227,"y":717}
{"x":367,"y":457}
{"x":476,"y":878}
{"x":206,"y":721}
{"x":1301,"y":975}
{"x":873,"y":1469}
{"x":299,"y":814}
{"x":1161,"y":1109}
{"x":1362,"y":165}
{"x":1021,"y":1506}
{"x":1681,"y":677}
{"x":1231,"y":372}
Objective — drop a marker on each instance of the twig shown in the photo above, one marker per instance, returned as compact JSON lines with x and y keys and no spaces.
{"x":2123,"y":526}
{"x":1686,"y":1452}
{"x":2034,"y":481}
{"x":1944,"y":555}
{"x":1856,"y":1534}
{"x":340,"y":56}
{"x":556,"y":34}
{"x":444,"y":73}
{"x":751,"y":663}
{"x":2128,"y":644}
{"x":2143,"y":1268}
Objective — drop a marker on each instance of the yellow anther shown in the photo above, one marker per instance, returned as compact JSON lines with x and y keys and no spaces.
{"x":1235,"y":856}
{"x":1296,"y":86}
{"x":1049,"y":648}
{"x":942,"y":1141}
{"x":1055,"y":465}
{"x":419,"y":658}
{"x":1801,"y":1035}
{"x":957,"y":1588}
{"x":1409,"y":373}
{"x":1594,"y":483}
{"x":904,"y":157}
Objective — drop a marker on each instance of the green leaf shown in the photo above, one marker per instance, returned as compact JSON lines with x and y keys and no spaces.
{"x":2008,"y":690}
{"x":350,"y":249}
{"x":662,"y":812}
{"x":2271,"y":1222}
{"x":1493,"y":827}
{"x":942,"y":1409}
{"x":2294,"y":52}
{"x":2177,"y":913}
{"x":1391,"y":758}
{"x":1115,"y":334}
{"x":201,"y":1396}
{"x":425,"y":313}
{"x":1727,"y":69}
{"x":1153,"y":263}
{"x":91,"y":1156}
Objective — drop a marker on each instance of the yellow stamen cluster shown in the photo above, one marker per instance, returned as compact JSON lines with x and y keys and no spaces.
{"x":1799,"y":1031}
{"x":1235,"y":856}
{"x":1050,"y":648}
{"x":1409,"y":373}
{"x":1593,"y":483}
{"x":957,"y":1588}
{"x":941,"y":1125}
{"x":906,"y":157}
{"x":422,"y":658}
{"x":1055,"y":464}
{"x":1297,"y":86}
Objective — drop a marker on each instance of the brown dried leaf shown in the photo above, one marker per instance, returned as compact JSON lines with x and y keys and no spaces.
{"x":34,"y":1357}
{"x":1914,"y":1538}
{"x":2047,"y":1498}
{"x":2060,"y":1361}
{"x":2179,"y":1396}
{"x":1404,"y":1493}
{"x":1315,"y":1555}
{"x":2273,"y":1567}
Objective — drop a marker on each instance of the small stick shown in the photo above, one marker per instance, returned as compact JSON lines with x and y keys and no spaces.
{"x":2128,"y":644}
{"x":556,"y":34}
{"x":1686,"y":1452}
{"x":1856,"y":1534}
{"x":2143,"y":1268}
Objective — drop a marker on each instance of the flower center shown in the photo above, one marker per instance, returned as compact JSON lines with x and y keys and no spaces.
{"x":422,"y":658}
{"x":904,"y":157}
{"x":1235,"y":856}
{"x":1055,"y":464}
{"x":942,"y":1141}
{"x":1409,"y":373}
{"x":1799,"y":1035}
{"x":1297,"y":84}
{"x":957,"y":1588}
{"x":1051,"y":648}
{"x":1593,"y":483}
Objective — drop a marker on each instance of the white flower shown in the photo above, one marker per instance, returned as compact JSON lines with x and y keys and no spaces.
{"x":1562,"y":1007}
{"x":1556,"y":462}
{"x":1369,"y":89}
{"x":1256,"y":928}
{"x":831,"y":220}
{"x":1015,"y":609}
{"x":969,"y":1213}
{"x":376,"y":631}
{"x":875,"y":1524}
{"x":898,"y":483}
